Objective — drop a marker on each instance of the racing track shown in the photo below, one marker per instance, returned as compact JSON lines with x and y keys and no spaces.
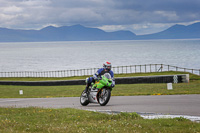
{"x":167,"y":104}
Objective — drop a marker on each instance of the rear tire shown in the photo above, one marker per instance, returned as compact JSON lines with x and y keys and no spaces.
{"x":103,"y":96}
{"x":83,"y":99}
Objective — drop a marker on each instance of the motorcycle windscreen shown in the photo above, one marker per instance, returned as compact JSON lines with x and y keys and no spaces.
{"x":107,"y":75}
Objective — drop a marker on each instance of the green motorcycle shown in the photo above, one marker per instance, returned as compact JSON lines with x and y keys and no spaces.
{"x":98,"y":92}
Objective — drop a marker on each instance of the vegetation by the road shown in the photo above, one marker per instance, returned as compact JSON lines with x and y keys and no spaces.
{"x":120,"y":90}
{"x":29,"y":120}
{"x":73,"y":120}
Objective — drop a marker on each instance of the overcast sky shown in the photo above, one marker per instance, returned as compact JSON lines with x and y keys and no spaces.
{"x":138,"y":16}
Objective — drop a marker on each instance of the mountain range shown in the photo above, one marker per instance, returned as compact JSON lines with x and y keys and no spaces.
{"x":81,"y":33}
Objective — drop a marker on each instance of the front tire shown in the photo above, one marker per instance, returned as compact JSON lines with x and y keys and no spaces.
{"x":103,"y":96}
{"x":84,"y":99}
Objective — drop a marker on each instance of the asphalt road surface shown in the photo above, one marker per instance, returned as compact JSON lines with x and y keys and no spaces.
{"x":167,"y":104}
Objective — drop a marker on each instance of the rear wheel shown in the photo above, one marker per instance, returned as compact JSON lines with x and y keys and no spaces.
{"x":104,"y":96}
{"x":84,"y":99}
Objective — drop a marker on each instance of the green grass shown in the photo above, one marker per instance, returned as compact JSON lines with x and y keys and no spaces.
{"x":73,"y":120}
{"x":120,"y":90}
{"x":193,"y":87}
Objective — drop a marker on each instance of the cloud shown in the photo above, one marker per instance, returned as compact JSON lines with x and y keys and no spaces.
{"x":139,"y":29}
{"x":12,"y":10}
{"x":113,"y":14}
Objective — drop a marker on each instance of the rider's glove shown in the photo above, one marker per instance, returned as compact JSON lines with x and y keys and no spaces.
{"x":100,"y":77}
{"x":95,"y":77}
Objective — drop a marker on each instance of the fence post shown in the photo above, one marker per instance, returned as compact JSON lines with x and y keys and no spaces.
{"x":135,"y":68}
{"x":156,"y":68}
{"x":118,"y":69}
{"x":150,"y":68}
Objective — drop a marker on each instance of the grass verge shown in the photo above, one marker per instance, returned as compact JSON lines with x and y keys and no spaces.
{"x":73,"y":120}
{"x":120,"y":90}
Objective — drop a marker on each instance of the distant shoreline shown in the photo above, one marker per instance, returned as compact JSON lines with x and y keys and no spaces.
{"x":104,"y":40}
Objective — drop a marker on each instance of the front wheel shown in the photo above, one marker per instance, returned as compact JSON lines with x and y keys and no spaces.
{"x":84,"y":99}
{"x":103,"y":96}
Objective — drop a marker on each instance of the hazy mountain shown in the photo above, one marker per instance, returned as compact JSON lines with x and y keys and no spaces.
{"x":65,"y":33}
{"x":81,"y":33}
{"x":176,"y":32}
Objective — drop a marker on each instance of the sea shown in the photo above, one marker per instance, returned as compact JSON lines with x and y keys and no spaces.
{"x":71,"y":55}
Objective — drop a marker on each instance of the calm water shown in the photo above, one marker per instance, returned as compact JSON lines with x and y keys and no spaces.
{"x":47,"y":56}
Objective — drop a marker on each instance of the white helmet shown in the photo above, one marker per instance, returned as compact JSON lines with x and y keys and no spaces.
{"x":107,"y":65}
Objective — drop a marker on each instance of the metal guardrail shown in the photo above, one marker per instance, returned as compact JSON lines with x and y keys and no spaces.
{"x":147,"y":68}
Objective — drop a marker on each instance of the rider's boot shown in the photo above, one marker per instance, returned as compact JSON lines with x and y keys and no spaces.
{"x":86,"y":90}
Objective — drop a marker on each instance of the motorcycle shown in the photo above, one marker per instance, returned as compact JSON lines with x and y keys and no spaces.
{"x":98,"y":92}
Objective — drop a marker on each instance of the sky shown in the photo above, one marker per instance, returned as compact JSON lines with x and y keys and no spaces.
{"x":138,"y":16}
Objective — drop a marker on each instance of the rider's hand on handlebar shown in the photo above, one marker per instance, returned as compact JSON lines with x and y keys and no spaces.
{"x":97,"y":78}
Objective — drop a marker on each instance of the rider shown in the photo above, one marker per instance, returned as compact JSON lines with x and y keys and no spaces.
{"x":106,"y":69}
